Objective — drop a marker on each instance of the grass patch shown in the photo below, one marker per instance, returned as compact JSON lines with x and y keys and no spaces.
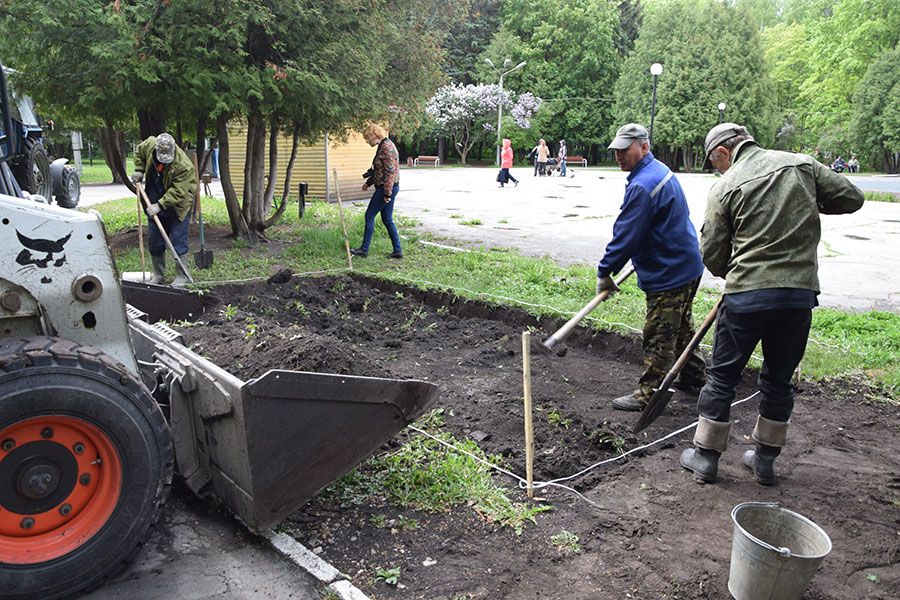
{"x":425,"y":475}
{"x":471,"y":222}
{"x":100,"y":173}
{"x":881,"y":197}
{"x":841,"y":343}
{"x":566,"y":543}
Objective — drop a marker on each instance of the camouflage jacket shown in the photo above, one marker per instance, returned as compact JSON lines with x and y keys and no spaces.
{"x":762,"y":224}
{"x":179,"y":179}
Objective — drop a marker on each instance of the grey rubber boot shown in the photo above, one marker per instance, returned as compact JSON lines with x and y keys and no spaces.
{"x":770,"y":437}
{"x":710,"y":441}
{"x":762,"y":462}
{"x":181,"y":279}
{"x":159,"y":269}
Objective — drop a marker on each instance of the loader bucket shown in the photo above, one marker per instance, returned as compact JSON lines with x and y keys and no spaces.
{"x":266,"y":446}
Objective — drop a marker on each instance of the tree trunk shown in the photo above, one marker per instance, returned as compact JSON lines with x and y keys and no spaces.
{"x":151,"y":122}
{"x":114,"y":152}
{"x":254,"y":167}
{"x":239,"y":228}
{"x":442,"y":148}
{"x":295,"y":147}
{"x":269,"y":194}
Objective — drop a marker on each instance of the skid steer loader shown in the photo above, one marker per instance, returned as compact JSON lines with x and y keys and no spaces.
{"x":88,"y":452}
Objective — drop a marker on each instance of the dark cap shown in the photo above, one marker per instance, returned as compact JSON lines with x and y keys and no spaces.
{"x":627,"y":135}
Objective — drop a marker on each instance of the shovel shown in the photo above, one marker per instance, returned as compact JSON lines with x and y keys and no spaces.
{"x":554,"y":343}
{"x":661,"y":397}
{"x":165,"y":236}
{"x":204,"y":258}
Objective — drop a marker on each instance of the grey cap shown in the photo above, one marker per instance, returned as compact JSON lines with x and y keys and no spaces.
{"x":721,"y":133}
{"x":165,"y":148}
{"x":627,"y":135}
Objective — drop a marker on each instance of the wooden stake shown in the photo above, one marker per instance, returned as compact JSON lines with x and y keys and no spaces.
{"x":141,"y":239}
{"x":529,"y":429}
{"x":337,"y":188}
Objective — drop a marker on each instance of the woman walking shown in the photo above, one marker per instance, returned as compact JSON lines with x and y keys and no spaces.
{"x":506,"y":161}
{"x":542,"y":155}
{"x":386,"y":179}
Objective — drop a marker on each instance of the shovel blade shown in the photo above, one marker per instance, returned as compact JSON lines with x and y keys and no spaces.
{"x":654,"y":408}
{"x":203,"y":259}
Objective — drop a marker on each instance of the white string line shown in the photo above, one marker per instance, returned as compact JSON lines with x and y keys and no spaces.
{"x":523,"y":483}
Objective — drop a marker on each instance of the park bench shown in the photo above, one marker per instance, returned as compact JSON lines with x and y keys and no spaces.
{"x":435,"y":160}
{"x":571,"y":160}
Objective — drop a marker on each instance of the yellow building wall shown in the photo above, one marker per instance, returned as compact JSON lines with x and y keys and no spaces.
{"x":351,"y":158}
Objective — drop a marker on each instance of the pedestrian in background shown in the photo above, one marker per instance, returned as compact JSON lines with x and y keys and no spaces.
{"x":655,"y":232}
{"x":385,"y":177}
{"x":543,"y":152}
{"x":170,"y":184}
{"x":506,"y":162}
{"x":561,"y":156}
{"x":761,"y":234}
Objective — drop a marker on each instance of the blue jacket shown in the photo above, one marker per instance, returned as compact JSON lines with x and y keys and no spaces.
{"x":654,"y":231}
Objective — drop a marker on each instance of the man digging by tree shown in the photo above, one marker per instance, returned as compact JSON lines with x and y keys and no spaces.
{"x":654,"y":230}
{"x":761,"y":233}
{"x":170,"y":186}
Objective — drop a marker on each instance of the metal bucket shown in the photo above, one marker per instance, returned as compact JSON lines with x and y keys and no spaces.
{"x":775,"y":552}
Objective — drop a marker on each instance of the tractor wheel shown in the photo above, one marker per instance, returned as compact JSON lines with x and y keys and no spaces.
{"x":71,"y":188}
{"x":85,"y":467}
{"x":33,"y":171}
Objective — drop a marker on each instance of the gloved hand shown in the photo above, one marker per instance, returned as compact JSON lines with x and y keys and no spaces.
{"x":153,"y":209}
{"x":137,"y":177}
{"x":607,"y":284}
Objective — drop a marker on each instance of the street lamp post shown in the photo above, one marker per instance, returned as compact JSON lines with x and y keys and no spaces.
{"x":506,"y":63}
{"x":722,"y":107}
{"x":655,"y":69}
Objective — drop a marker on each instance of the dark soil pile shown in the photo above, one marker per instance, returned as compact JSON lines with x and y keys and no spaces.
{"x":656,"y":533}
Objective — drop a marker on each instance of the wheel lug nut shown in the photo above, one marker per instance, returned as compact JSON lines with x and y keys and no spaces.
{"x":84,"y":479}
{"x":47,"y":433}
{"x":27,"y":523}
{"x":8,"y":444}
{"x":65,"y":509}
{"x":78,"y":447}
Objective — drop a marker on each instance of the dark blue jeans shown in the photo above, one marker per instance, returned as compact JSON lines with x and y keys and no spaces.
{"x":176,"y":230}
{"x":377,"y":205}
{"x":783,"y":334}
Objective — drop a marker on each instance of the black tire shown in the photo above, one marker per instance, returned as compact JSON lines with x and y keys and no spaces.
{"x":33,"y":170}
{"x":71,"y":188}
{"x":46,"y":377}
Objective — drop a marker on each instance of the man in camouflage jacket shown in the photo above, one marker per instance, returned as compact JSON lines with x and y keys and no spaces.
{"x":761,"y":233}
{"x":171,"y":185}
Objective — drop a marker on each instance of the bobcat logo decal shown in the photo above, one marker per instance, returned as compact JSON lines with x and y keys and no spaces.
{"x":53,"y":251}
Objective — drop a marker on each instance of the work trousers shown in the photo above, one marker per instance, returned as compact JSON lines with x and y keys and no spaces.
{"x":376,"y":206}
{"x":176,"y":229}
{"x":668,"y":328}
{"x":783,"y":334}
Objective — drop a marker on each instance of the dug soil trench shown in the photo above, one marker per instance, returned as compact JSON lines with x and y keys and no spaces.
{"x":655,"y":532}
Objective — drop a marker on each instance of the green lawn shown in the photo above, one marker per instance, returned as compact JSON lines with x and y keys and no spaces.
{"x":841,"y":343}
{"x":99,"y":172}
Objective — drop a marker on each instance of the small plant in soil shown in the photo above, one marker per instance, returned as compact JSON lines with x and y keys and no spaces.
{"x":229,"y":312}
{"x":406,"y":524}
{"x":418,"y":314}
{"x":566,"y":542}
{"x":556,"y":419}
{"x":250,"y":330}
{"x":300,"y":308}
{"x":399,"y":295}
{"x":338,"y":287}
{"x":379,"y":521}
{"x":366,"y":303}
{"x":455,"y":216}
{"x":389,"y":576}
{"x":443,"y":310}
{"x":330,"y":595}
{"x":607,"y":440}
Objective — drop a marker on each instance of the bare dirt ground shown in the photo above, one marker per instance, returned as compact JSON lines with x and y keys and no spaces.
{"x":656,"y":533}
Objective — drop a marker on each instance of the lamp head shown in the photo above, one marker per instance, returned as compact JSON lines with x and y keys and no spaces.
{"x":656,"y":69}
{"x":722,"y":106}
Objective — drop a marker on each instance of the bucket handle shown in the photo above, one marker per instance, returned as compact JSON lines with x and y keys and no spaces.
{"x":784,"y":552}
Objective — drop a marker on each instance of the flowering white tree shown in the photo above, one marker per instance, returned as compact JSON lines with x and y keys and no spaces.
{"x":464,"y":113}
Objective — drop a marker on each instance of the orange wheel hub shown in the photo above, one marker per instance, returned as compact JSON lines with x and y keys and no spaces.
{"x":60,"y":480}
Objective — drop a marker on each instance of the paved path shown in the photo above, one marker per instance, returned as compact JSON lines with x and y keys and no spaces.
{"x":570,"y":220}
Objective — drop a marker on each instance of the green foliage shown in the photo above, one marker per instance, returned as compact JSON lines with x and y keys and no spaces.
{"x":566,"y":542}
{"x":710,"y":53}
{"x":389,"y":576}
{"x":572,"y":63}
{"x":881,"y":197}
{"x":787,"y":54}
{"x":876,"y":109}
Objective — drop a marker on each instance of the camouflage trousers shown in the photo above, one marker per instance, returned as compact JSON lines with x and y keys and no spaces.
{"x":668,"y":328}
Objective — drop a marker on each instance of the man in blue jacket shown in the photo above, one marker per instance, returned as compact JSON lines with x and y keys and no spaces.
{"x":654,"y":231}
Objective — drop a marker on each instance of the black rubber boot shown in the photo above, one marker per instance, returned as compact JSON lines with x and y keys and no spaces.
{"x":762,"y":462}
{"x":704,"y":463}
{"x":159,"y":269}
{"x":631,"y":403}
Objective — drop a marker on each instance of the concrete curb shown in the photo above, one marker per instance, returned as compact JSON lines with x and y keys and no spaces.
{"x":313,"y":564}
